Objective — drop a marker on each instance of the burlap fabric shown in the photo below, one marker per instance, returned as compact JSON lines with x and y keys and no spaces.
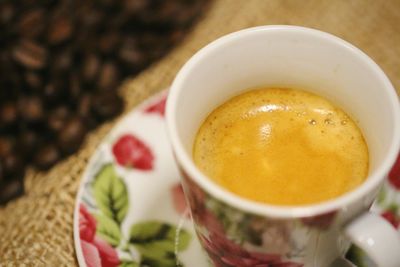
{"x":36,"y":230}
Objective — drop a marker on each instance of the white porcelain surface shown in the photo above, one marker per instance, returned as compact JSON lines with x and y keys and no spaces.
{"x":289,"y":56}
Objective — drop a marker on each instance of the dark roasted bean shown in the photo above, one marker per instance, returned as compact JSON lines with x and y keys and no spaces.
{"x":33,"y":80}
{"x":130,"y":53}
{"x":60,"y":30}
{"x":136,"y":6}
{"x":32,"y":23}
{"x":1,"y":172}
{"x":108,"y":76}
{"x":13,"y":165}
{"x":108,"y":42}
{"x":107,"y":104}
{"x":75,"y":87}
{"x":148,"y":40}
{"x":57,"y":118}
{"x":31,"y":108}
{"x":91,"y":18}
{"x":91,"y":67}
{"x":71,"y":136}
{"x":84,"y":105}
{"x":30,"y":54}
{"x":61,"y":63}
{"x":47,"y":156}
{"x":7,"y":11}
{"x":53,"y":92}
{"x":27,"y":143}
{"x":176,"y":35}
{"x":6,"y":146}
{"x":8,"y":114}
{"x":10,"y":190}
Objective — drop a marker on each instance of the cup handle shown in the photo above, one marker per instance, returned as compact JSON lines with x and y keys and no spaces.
{"x":377,"y":237}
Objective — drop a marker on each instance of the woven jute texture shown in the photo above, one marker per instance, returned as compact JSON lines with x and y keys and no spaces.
{"x":36,"y":230}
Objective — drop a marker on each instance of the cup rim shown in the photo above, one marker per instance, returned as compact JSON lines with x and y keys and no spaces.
{"x":373,"y":180}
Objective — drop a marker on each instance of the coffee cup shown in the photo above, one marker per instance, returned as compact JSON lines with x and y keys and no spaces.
{"x":235,"y":231}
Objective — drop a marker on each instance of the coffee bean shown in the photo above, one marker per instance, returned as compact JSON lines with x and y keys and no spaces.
{"x":107,"y":104}
{"x":46,"y":156}
{"x":91,"y":66}
{"x":13,"y":165}
{"x":156,"y":53}
{"x":108,"y":76}
{"x":53,"y":92}
{"x":131,"y":54}
{"x":6,"y":146}
{"x":11,"y":81}
{"x":147,"y":18}
{"x":33,"y":80}
{"x":27,"y":143}
{"x":91,"y":122}
{"x":106,"y":3}
{"x":57,"y":118}
{"x":30,"y":54}
{"x":1,"y":172}
{"x":32,"y":23}
{"x":31,"y":108}
{"x":136,"y":6}
{"x":10,"y":190}
{"x":5,"y":58}
{"x":169,"y":10}
{"x":8,"y":114}
{"x":7,"y":12}
{"x":108,"y":42}
{"x":60,"y":30}
{"x":148,"y":40}
{"x":84,"y":105}
{"x":71,"y":136}
{"x":91,"y":18}
{"x":61,"y":63}
{"x":75,"y":87}
{"x":176,"y":35}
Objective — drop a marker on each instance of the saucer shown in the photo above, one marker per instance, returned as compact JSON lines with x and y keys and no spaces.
{"x":130,"y":209}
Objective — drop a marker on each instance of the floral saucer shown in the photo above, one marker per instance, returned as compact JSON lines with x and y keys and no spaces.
{"x":130,"y":209}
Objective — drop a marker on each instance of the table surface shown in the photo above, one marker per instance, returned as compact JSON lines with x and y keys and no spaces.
{"x":36,"y":230}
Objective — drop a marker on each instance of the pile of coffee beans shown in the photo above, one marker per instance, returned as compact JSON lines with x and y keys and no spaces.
{"x":60,"y":65}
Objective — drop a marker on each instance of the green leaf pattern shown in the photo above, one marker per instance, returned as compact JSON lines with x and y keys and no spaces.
{"x":108,"y":230}
{"x":154,"y":240}
{"x":111,"y":194}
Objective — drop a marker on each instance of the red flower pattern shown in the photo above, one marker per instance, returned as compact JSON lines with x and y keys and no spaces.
{"x":222,"y":251}
{"x":91,"y":254}
{"x":392,"y":217}
{"x":394,"y":174}
{"x":129,"y":151}
{"x":96,"y":251}
{"x":158,"y":107}
{"x":87,"y":224}
{"x":225,"y":253}
{"x":196,"y":198}
{"x":178,"y":198}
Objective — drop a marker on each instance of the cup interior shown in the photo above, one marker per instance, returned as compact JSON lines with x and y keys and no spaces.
{"x":292,"y":57}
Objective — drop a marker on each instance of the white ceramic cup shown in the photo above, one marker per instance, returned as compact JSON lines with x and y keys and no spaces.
{"x":287,"y":56}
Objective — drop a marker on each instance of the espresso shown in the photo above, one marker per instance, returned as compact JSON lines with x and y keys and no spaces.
{"x":283,"y":147}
